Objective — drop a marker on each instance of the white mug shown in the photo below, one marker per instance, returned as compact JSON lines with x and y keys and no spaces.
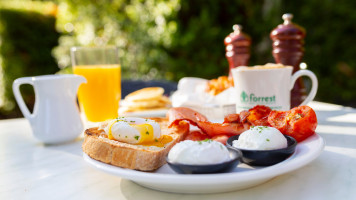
{"x":55,"y":117}
{"x":270,"y":86}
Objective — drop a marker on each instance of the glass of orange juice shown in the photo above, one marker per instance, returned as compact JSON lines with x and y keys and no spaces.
{"x":99,"y":97}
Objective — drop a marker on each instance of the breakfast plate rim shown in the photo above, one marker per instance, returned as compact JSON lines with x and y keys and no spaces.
{"x":305,"y":153}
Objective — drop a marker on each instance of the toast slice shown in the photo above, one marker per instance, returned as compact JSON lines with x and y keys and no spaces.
{"x":138,"y":157}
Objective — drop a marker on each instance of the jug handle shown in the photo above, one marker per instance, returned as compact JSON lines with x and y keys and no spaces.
{"x":16,"y":89}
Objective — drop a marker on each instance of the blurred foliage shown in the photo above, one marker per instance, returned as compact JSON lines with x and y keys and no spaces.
{"x":141,"y":29}
{"x":171,"y":39}
{"x":27,"y":39}
{"x":329,"y":42}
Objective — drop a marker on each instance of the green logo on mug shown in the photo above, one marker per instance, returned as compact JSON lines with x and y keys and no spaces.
{"x":244,"y":96}
{"x":252,"y":98}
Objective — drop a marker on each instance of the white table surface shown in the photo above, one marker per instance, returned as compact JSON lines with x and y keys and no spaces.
{"x":31,"y":170}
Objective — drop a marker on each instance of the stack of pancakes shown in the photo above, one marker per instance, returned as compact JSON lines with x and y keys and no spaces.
{"x":146,"y":99}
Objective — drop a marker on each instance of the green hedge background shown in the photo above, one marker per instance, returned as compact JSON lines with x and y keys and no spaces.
{"x":27,"y":38}
{"x":171,"y":39}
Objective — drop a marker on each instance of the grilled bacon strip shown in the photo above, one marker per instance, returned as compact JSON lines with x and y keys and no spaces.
{"x":299,"y":122}
{"x":175,"y":115}
{"x":234,"y":124}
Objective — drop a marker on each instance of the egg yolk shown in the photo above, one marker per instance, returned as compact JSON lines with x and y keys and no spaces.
{"x":110,"y":133}
{"x":146,"y":132}
{"x":146,"y":137}
{"x":160,"y":142}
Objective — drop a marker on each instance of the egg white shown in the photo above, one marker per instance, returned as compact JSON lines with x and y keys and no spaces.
{"x":261,"y":138}
{"x":122,"y":130}
{"x":198,"y":152}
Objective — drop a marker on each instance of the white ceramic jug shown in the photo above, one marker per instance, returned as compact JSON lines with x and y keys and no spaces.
{"x":55,"y":117}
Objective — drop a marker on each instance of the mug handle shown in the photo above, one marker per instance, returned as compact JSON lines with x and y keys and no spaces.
{"x":311,"y":75}
{"x":16,"y":89}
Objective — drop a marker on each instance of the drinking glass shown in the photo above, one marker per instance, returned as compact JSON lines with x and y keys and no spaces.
{"x":99,"y":97}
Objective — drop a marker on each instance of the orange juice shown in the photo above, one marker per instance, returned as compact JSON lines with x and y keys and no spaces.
{"x":99,"y":97}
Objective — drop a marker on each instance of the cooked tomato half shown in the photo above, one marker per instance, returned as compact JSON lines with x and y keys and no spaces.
{"x":277,"y":119}
{"x":299,"y":122}
{"x":302,"y":122}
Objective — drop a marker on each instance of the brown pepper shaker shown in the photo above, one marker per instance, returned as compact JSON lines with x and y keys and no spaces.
{"x":237,"y":48}
{"x":288,"y":49}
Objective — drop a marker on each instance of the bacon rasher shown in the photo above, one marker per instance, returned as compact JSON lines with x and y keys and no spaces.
{"x":299,"y":122}
{"x":233,"y":124}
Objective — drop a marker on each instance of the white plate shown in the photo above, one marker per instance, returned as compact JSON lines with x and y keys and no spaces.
{"x":244,"y":176}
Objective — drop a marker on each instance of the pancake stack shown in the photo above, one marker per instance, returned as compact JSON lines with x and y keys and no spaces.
{"x":146,"y":99}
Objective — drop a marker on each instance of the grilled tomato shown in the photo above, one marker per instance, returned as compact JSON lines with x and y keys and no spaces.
{"x":299,"y":122}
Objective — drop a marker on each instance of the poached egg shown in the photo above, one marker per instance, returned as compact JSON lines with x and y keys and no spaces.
{"x":261,"y":138}
{"x":134,"y":130}
{"x":199,"y":152}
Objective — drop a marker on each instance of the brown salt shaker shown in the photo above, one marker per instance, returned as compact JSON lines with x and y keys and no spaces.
{"x":237,"y":48}
{"x":288,"y":49}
